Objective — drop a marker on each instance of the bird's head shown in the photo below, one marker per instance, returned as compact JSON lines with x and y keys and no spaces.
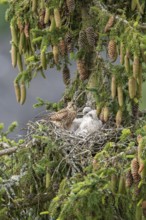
{"x":92,"y":114}
{"x":86,"y":110}
{"x":71,"y":106}
{"x":89,"y":115}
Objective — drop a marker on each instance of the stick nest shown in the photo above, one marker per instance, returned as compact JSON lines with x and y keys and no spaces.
{"x":77,"y":152}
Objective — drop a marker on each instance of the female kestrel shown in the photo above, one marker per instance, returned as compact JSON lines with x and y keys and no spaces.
{"x":65,"y":116}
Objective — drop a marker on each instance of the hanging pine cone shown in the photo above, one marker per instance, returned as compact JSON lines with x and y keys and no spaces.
{"x":34,"y":5}
{"x":135,"y":109}
{"x":14,"y":55}
{"x":43,"y":59}
{"x":55,"y":53}
{"x":47,"y":15}
{"x":19,"y":24}
{"x":109,"y":23}
{"x":66,"y":75}
{"x":70,"y":5}
{"x":122,"y":53}
{"x":134,"y":170}
{"x":98,"y":110}
{"x":22,"y":93}
{"x":120,"y":95}
{"x":41,"y":18}
{"x":81,"y":67}
{"x":129,"y":179}
{"x":90,"y":36}
{"x":17,"y":91}
{"x":136,"y":65}
{"x":19,"y":62}
{"x":82,"y":41}
{"x":14,"y":34}
{"x":113,"y":87}
{"x":112,"y":50}
{"x":57,"y":18}
{"x":101,"y":115}
{"x":105,"y":114}
{"x":62,"y":47}
{"x":118,"y":118}
{"x":26,"y":30}
{"x":127,"y":64}
{"x":139,"y":83}
{"x":133,"y":5}
{"x":132,"y":87}
{"x":53,"y":24}
{"x":69,"y":42}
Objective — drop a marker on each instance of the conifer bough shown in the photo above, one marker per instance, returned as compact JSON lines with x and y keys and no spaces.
{"x":48,"y":34}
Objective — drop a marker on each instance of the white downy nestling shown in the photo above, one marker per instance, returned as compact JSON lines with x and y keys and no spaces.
{"x":77,"y":121}
{"x":89,"y":125}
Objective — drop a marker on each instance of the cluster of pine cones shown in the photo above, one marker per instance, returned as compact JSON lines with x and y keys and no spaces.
{"x":86,"y":42}
{"x":23,"y":43}
{"x":137,"y":171}
{"x":132,"y":62}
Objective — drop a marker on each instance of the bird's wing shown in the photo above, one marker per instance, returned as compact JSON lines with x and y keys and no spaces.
{"x":58,"y":116}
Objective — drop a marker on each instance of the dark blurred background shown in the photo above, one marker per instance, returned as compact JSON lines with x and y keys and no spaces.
{"x":50,"y":89}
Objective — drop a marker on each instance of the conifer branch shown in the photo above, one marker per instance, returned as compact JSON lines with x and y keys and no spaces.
{"x":8,"y":151}
{"x":103,"y":8}
{"x":33,"y":200}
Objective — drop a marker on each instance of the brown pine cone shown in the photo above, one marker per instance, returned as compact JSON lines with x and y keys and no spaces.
{"x":66,"y":75}
{"x":62,"y":47}
{"x":118,"y":118}
{"x":112,"y":50}
{"x":136,"y":65}
{"x":135,"y":109}
{"x":69,"y":42}
{"x":57,"y":17}
{"x":26,"y":30}
{"x":90,"y":36}
{"x":132,"y":87}
{"x":41,"y":18}
{"x":82,"y":41}
{"x":129,"y":179}
{"x":109,"y":23}
{"x":81,"y":67}
{"x":19,"y":24}
{"x":70,"y":5}
{"x":55,"y":53}
{"x":122,"y":53}
{"x":134,"y":170}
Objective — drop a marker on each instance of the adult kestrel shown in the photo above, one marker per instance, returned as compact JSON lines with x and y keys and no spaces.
{"x":64,"y":117}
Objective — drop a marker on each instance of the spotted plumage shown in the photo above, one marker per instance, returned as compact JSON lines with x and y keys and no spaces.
{"x":64,"y":117}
